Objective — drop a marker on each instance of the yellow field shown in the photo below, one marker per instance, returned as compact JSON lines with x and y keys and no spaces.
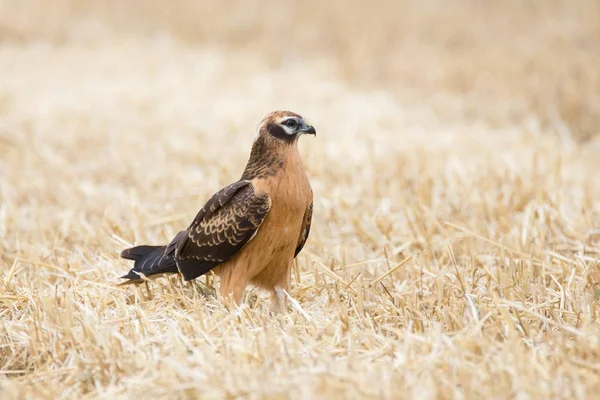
{"x":455,"y":246}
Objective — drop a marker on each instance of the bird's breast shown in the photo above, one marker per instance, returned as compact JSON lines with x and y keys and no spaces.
{"x":290,"y":194}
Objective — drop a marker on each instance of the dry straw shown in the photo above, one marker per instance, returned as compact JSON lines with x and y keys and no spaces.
{"x":456,"y":239}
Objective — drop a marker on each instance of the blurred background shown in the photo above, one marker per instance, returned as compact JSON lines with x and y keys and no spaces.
{"x":501,"y":62}
{"x":113,"y":110}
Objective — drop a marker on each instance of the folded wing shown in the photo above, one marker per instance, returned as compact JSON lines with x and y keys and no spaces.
{"x":222,"y":227}
{"x":305,"y":229}
{"x":226,"y":223}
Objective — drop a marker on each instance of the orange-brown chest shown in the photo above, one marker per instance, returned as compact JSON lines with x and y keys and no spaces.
{"x":290,"y":194}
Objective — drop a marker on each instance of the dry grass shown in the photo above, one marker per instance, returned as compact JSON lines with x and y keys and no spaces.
{"x":455,"y":250}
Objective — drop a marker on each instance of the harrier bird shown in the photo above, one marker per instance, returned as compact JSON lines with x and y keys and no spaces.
{"x":249,"y":231}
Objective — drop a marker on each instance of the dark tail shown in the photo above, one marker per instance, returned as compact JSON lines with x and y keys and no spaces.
{"x":149,"y":260}
{"x":138,"y":252}
{"x":152,"y":260}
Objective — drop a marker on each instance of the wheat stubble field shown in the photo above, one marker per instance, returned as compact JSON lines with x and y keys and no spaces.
{"x":455,"y":247}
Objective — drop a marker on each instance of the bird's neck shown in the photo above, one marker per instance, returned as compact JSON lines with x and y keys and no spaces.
{"x":267,"y":158}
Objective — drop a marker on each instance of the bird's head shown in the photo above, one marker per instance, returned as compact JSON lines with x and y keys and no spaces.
{"x":275,"y":141}
{"x":283,"y":127}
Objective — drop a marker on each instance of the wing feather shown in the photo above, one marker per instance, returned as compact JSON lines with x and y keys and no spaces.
{"x":226,"y":223}
{"x":305,"y":229}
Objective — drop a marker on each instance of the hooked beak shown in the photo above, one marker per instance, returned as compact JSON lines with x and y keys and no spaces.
{"x":308,"y":129}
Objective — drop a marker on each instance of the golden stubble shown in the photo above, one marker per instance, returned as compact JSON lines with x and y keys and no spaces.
{"x":455,"y":243}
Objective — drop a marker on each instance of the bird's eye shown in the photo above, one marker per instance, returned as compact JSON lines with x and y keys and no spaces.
{"x":291,"y":123}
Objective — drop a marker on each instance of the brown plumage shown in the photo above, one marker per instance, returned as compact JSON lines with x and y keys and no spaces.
{"x":249,"y":231}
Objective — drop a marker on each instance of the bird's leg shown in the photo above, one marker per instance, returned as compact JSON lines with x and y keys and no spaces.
{"x":278,"y":295}
{"x":232,"y":287}
{"x":278,"y":300}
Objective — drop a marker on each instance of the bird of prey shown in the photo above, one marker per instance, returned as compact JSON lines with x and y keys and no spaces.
{"x":249,"y":231}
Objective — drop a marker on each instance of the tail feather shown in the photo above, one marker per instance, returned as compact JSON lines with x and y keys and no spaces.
{"x":135,"y":253}
{"x":152,"y":260}
{"x":149,"y":260}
